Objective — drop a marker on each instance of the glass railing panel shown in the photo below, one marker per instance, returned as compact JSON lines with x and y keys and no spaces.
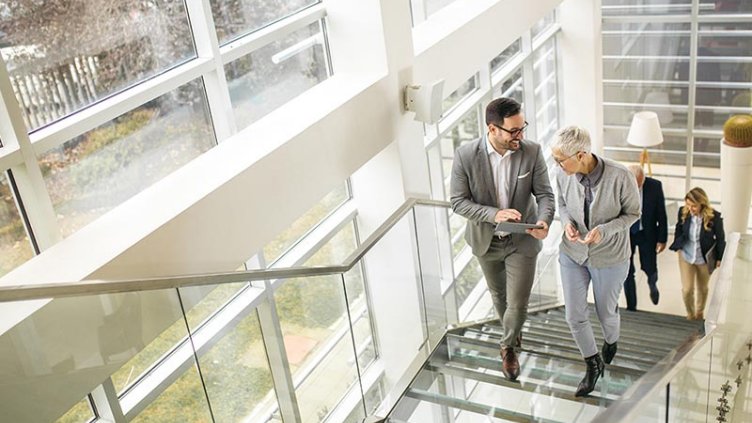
{"x":360,"y":317}
{"x":398,"y":298}
{"x":232,"y":356}
{"x":80,"y":412}
{"x":183,"y":401}
{"x":203,"y":302}
{"x":655,"y":408}
{"x":688,"y":395}
{"x":139,"y":364}
{"x":314,"y":321}
{"x":433,"y":257}
{"x":546,"y":290}
{"x":65,"y":349}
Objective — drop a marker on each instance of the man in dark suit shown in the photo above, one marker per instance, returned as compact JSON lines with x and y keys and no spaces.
{"x":501,"y":177}
{"x":649,"y":234}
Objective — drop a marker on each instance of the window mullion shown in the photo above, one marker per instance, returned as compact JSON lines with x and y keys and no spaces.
{"x":27,"y":174}
{"x":271,"y":331}
{"x":528,"y":83}
{"x":106,"y":402}
{"x":215,"y":82}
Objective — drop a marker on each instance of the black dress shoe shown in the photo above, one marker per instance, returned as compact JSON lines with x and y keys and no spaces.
{"x":594,"y":371}
{"x":654,"y":294}
{"x":608,"y":351}
{"x":510,"y":366}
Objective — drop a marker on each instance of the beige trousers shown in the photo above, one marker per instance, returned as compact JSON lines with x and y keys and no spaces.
{"x":694,"y":277}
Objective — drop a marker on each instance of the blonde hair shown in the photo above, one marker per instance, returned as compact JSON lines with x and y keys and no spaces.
{"x":698,"y":196}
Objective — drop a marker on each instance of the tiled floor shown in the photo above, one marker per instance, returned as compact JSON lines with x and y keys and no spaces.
{"x":669,"y":285}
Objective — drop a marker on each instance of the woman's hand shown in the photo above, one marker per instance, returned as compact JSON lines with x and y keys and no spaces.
{"x":592,"y":237}
{"x":571,"y":233}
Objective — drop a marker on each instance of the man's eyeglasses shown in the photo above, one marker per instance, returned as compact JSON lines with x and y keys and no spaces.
{"x":514,"y":132}
{"x":561,"y":162}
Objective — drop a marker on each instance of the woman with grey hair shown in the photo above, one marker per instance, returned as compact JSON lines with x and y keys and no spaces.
{"x":598,"y":202}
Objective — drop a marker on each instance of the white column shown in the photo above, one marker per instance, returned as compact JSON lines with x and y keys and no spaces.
{"x":736,"y":191}
{"x":582,"y":67}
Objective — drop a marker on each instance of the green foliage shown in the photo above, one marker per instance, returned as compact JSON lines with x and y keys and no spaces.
{"x":310,"y":302}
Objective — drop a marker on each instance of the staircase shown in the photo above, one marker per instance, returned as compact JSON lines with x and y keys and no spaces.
{"x":462,"y":380}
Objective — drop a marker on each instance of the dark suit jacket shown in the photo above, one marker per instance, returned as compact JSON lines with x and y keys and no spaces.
{"x":654,"y":221}
{"x":473,"y":195}
{"x":715,"y":235}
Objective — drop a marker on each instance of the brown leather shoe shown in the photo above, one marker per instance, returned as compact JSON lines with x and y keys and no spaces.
{"x":509,"y":364}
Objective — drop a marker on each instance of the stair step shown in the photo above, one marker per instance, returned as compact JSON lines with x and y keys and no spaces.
{"x":462,"y":381}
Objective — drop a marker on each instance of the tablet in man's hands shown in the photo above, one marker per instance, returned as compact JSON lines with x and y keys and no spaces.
{"x":514,"y":227}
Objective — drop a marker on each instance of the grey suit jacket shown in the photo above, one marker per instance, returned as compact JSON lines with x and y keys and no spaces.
{"x":473,"y":194}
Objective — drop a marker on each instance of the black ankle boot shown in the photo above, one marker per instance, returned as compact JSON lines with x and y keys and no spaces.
{"x":595,"y":369}
{"x":608,"y":351}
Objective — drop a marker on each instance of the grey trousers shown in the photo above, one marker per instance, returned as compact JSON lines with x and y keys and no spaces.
{"x":509,"y":276}
{"x":607,"y":285}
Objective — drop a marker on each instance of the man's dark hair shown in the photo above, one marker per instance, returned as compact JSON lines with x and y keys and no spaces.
{"x":500,"y":109}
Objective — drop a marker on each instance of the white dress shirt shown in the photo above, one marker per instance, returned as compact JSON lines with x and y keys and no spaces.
{"x":500,"y":168}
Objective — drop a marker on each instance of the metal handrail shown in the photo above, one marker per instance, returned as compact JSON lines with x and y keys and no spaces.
{"x":664,"y":371}
{"x":10,"y":293}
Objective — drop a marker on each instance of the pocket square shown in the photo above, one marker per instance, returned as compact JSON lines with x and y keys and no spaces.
{"x":525,"y":175}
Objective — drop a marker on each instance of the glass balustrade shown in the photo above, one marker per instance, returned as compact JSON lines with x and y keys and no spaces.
{"x":314,"y":344}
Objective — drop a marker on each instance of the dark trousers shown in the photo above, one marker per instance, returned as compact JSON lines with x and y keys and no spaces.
{"x":648,"y":259}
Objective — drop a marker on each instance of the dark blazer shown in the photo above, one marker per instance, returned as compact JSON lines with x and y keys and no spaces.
{"x":654,"y":221}
{"x":473,"y":195}
{"x":715,"y":235}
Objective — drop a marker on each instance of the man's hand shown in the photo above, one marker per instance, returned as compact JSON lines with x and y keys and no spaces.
{"x":539,"y":233}
{"x":592,"y":237}
{"x":507,"y":215}
{"x":571,"y":233}
{"x":660,"y":247}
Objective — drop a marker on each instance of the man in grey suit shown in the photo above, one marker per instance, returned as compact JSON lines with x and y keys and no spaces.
{"x":503,"y":178}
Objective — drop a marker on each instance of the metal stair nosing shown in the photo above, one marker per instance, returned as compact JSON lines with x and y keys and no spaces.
{"x":526,"y":385}
{"x":627,"y":333}
{"x":625,"y":353}
{"x":628,"y":329}
{"x":474,"y":407}
{"x":534,"y":373}
{"x":531,"y":335}
{"x":640,"y":318}
{"x":493,"y":349}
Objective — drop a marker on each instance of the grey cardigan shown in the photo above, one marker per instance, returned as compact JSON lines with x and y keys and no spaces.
{"x":615,"y":207}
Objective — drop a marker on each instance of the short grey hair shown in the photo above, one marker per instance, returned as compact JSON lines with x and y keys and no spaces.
{"x":571,"y":140}
{"x":636,"y":170}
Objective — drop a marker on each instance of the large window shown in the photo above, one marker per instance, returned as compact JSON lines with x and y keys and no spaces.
{"x":272,"y":75}
{"x":100,"y":169}
{"x":116,"y":95}
{"x":692,"y":86}
{"x":234,"y":18}
{"x":65,"y":55}
{"x":95,"y":84}
{"x":14,"y":241}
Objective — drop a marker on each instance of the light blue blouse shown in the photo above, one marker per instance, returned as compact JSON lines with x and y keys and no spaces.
{"x":691,"y":249}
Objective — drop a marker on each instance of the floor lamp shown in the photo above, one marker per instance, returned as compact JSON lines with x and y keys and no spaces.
{"x":645,"y":132}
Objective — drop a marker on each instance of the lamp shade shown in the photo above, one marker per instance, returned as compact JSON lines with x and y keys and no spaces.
{"x":645,"y":130}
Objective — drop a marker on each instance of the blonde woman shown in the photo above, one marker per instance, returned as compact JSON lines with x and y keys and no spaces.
{"x":699,"y":239}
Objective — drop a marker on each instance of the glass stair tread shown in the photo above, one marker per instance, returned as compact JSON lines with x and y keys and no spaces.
{"x":462,"y":381}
